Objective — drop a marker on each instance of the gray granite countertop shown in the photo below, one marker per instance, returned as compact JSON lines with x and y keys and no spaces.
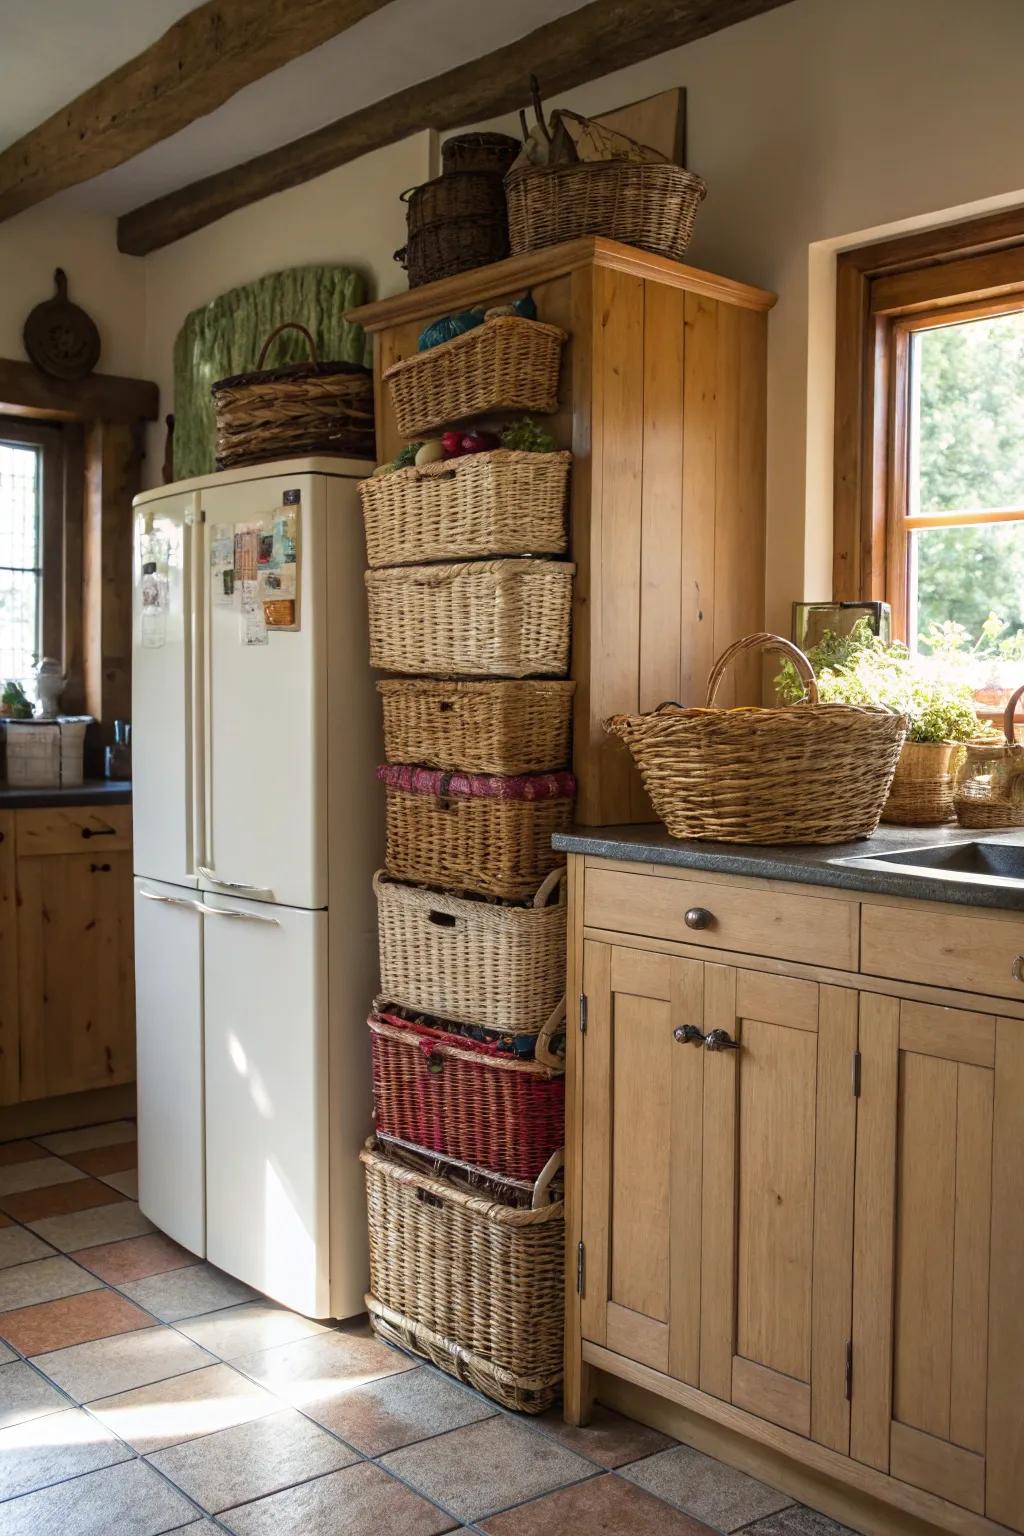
{"x":92,"y":792}
{"x":811,"y":865}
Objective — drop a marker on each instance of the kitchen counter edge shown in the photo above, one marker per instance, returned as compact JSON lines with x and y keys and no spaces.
{"x":16,"y":797}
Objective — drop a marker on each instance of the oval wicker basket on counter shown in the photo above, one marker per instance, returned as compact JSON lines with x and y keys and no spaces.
{"x":481,"y":618}
{"x":500,"y":727}
{"x":806,"y":773}
{"x":475,"y":832}
{"x":506,"y":364}
{"x":503,"y":502}
{"x":477,"y":962}
{"x":304,"y":408}
{"x":650,"y":206}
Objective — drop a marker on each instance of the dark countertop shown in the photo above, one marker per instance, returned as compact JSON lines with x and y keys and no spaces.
{"x":810,"y":864}
{"x":92,"y":792}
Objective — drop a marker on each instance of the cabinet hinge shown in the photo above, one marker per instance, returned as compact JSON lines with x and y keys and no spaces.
{"x":583,"y":1013}
{"x":856,"y":1074}
{"x":848,"y":1374}
{"x":581,"y":1268}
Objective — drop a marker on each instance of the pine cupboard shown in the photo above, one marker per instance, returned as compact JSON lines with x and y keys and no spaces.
{"x":662,"y":402}
{"x":797,"y":1189}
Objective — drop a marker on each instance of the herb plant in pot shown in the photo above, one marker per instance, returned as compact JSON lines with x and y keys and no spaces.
{"x":859,"y":668}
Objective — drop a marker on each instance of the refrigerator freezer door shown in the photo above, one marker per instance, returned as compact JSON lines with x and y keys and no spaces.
{"x":169,"y":1008}
{"x":265,"y":692}
{"x":267,"y":1099}
{"x":164,"y":658}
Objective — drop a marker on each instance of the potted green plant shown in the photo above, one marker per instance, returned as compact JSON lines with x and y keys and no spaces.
{"x":859,"y":668}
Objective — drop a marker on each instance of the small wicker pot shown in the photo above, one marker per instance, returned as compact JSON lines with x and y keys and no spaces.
{"x":499,"y":967}
{"x":809,"y":773}
{"x":305,"y":408}
{"x":506,"y":364}
{"x":493,"y":152}
{"x":922,"y":788}
{"x":498,"y":503}
{"x":989,"y":786}
{"x":471,"y":832}
{"x":474,"y":1286}
{"x":487,"y":618}
{"x":465,"y":1100}
{"x":650,"y":206}
{"x":512,"y":727}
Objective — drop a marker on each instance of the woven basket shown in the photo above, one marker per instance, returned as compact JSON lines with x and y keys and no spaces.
{"x":650,"y":206}
{"x":922,"y":788}
{"x":470,"y":832}
{"x":506,"y":364}
{"x":809,"y":773}
{"x":453,"y":246}
{"x":498,"y":503}
{"x":500,"y":967}
{"x":493,"y":152}
{"x":513,"y":727}
{"x":305,"y":408}
{"x":465,"y":1099}
{"x":989,"y":791}
{"x":488,"y":618}
{"x":475,"y":1286}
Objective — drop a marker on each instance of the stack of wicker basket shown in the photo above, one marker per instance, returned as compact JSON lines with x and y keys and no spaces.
{"x":468,"y":598}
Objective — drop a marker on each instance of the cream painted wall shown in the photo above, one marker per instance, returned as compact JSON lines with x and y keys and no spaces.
{"x":110,"y":286}
{"x":352,"y":215}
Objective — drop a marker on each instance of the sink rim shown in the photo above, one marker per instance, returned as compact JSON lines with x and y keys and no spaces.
{"x":894,"y":863}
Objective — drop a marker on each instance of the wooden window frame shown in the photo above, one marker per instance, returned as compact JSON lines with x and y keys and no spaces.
{"x":53,"y":571}
{"x":884,"y":292}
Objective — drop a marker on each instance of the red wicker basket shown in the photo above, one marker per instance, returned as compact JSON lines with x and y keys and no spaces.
{"x":465,"y":1099}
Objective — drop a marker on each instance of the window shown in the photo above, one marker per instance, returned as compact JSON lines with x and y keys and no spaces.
{"x":31,"y":576}
{"x":929,"y":466}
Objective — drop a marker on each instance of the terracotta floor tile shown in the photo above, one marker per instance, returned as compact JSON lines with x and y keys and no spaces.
{"x":609,"y":1439}
{"x":136,"y":1258}
{"x":5,"y":1221}
{"x":20,"y":1152}
{"x":58,"y":1199}
{"x":101,"y":1160}
{"x":605,"y":1505}
{"x":72,"y":1320}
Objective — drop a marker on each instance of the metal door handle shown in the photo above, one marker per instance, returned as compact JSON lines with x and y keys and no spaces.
{"x":699,"y":917}
{"x":1017,"y":968}
{"x":171,"y":901}
{"x":720,"y":1040}
{"x":232,"y":885}
{"x":688,"y":1034}
{"x":99,"y":831}
{"x":251,"y":917}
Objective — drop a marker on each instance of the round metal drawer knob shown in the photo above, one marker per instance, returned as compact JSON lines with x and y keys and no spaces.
{"x":699,"y":917}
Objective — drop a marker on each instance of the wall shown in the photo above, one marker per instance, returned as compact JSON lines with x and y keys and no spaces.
{"x":352,"y":215}
{"x":111,"y":287}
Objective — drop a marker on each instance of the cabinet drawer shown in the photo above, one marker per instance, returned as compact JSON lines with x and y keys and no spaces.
{"x":73,"y":829}
{"x":970,"y":954}
{"x":817,"y":930}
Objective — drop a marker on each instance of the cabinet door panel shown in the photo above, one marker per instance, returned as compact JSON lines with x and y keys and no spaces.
{"x":8,"y":965}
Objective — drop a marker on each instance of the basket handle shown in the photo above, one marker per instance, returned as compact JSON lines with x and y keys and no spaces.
{"x":400,"y":255}
{"x":289,"y":325}
{"x":767,"y":642}
{"x":1008,"y":714}
{"x":556,"y":877}
{"x":540,"y":1189}
{"x":542,"y":1051}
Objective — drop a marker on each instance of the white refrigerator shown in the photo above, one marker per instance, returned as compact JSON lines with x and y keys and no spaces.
{"x":256,"y":834}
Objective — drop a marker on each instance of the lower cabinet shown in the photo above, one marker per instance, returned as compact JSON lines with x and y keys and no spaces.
{"x":8,"y":964}
{"x":804,"y":1200}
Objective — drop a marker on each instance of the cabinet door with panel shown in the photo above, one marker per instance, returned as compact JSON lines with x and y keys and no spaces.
{"x":939,"y":1268}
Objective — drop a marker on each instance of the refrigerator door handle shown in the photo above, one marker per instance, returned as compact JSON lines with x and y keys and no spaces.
{"x":232,"y":885}
{"x":170,"y":901}
{"x":251,"y":917}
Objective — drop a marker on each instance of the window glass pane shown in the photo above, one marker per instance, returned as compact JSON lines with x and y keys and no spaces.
{"x":967,"y":416}
{"x":967,"y":597}
{"x":19,"y":559}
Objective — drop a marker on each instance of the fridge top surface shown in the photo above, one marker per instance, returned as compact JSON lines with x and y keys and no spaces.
{"x":345,"y":469}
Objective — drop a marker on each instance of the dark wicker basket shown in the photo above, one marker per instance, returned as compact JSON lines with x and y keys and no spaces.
{"x":650,"y":206}
{"x":305,"y":408}
{"x":454,"y":222}
{"x":493,"y":152}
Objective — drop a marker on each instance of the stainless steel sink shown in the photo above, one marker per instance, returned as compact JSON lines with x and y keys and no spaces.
{"x":985,"y":863}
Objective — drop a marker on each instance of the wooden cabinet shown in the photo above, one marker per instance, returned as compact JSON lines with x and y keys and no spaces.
{"x":67,"y":1015}
{"x":662,"y":401}
{"x":798,"y":1194}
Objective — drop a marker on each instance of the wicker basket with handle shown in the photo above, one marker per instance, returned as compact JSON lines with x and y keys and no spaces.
{"x":304,"y":408}
{"x":473,"y":1285}
{"x":652,"y":206}
{"x":480,"y":618}
{"x":805,"y":773}
{"x":520,"y":726}
{"x":498,"y":503}
{"x":507,"y":363}
{"x":477,"y":962}
{"x":989,"y":791}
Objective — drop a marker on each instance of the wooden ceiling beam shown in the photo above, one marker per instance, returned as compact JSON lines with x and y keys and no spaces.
{"x":598,"y":38}
{"x":195,"y":67}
